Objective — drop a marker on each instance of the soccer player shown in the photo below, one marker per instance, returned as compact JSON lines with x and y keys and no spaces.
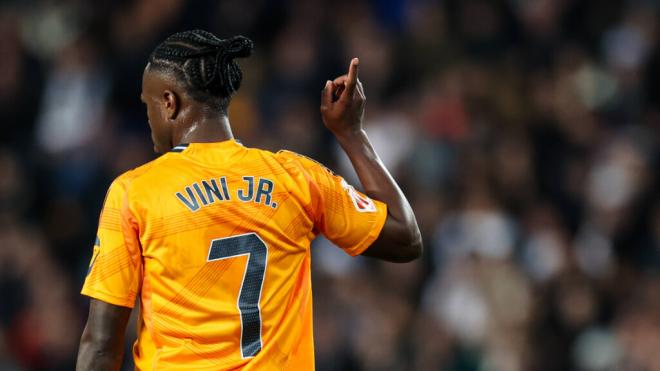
{"x":214,"y":237}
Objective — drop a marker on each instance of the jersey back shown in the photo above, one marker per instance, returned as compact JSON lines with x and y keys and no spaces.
{"x":214,"y":238}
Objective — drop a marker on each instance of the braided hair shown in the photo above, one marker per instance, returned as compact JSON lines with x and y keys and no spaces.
{"x":204,"y":63}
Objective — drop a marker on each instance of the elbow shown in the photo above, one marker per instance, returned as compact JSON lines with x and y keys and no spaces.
{"x":86,"y":341}
{"x":412,"y":250}
{"x":407,"y":248}
{"x":93,"y":339}
{"x":410,"y":242}
{"x":397,"y":243}
{"x":417,"y":247}
{"x":94,"y":347}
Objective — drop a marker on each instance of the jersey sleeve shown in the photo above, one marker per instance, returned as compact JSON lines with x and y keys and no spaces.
{"x":115,"y":271}
{"x":347,"y":217}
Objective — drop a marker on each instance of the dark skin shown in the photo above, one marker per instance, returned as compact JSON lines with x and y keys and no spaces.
{"x":176,"y":118}
{"x":102,"y":341}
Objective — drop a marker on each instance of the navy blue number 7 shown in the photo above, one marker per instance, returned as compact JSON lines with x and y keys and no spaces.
{"x":255,"y":248}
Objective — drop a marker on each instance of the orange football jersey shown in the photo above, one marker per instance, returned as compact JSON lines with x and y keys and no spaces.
{"x":214,"y":238}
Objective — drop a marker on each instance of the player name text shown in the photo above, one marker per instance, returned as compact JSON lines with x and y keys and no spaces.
{"x":207,"y":192}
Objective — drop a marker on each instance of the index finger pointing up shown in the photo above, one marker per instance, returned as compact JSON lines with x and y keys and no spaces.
{"x":353,"y":70}
{"x":352,"y":78}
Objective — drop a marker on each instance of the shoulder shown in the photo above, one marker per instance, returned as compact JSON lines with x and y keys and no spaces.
{"x":129,"y":178}
{"x":129,"y":192}
{"x":290,"y":159}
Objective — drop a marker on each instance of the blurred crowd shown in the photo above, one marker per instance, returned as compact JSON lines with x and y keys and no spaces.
{"x":525,"y":133}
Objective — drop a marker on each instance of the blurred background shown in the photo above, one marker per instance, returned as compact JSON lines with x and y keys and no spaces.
{"x":524,"y":132}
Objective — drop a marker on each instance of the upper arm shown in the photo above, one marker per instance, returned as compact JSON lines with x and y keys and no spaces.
{"x":347,"y":217}
{"x":102,"y":342}
{"x":106,"y":322}
{"x":357,"y":223}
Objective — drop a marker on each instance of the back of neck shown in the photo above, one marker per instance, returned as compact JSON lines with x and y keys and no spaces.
{"x":207,"y":130}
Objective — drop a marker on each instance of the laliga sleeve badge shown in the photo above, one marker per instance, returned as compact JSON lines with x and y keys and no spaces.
{"x":361,"y":202}
{"x":95,"y":254}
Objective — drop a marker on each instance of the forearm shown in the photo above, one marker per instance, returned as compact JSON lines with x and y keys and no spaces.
{"x":379,"y":184}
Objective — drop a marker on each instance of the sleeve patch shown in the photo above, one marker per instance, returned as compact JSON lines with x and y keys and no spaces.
{"x":361,"y":202}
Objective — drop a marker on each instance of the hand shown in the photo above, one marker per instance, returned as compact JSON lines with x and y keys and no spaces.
{"x":342,"y":103}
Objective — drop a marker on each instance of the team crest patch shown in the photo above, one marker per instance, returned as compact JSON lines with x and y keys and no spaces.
{"x":361,"y":202}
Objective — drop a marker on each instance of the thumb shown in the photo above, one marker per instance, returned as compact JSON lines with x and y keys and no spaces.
{"x":326,"y":95}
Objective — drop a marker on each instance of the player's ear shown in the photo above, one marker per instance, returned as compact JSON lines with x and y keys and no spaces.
{"x":170,"y":104}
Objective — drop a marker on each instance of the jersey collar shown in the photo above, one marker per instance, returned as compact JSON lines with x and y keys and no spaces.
{"x":180,"y":147}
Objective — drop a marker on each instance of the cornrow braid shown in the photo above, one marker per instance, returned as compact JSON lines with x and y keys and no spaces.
{"x":204,"y":62}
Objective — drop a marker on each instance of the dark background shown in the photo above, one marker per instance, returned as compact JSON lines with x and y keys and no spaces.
{"x":524,"y":132}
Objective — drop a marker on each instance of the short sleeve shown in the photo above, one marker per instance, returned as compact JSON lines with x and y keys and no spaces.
{"x":347,"y":217}
{"x":115,"y":270}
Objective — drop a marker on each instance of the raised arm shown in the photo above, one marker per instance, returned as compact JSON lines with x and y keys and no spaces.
{"x":102,"y":342}
{"x":342,"y":110}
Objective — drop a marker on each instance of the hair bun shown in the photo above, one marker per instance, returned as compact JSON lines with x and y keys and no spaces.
{"x":206,"y":62}
{"x":239,"y":47}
